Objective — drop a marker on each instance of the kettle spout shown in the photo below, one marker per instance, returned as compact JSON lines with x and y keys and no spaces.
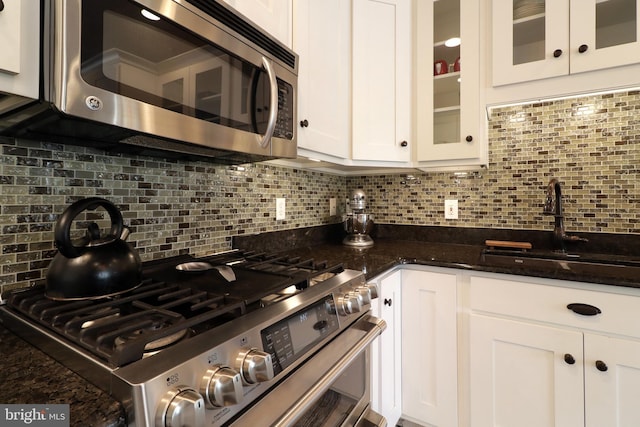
{"x":125,"y":232}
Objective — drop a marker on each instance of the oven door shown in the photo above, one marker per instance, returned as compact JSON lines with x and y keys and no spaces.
{"x":331,"y":389}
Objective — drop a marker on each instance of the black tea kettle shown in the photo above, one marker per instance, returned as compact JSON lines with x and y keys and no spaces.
{"x":96,"y":266}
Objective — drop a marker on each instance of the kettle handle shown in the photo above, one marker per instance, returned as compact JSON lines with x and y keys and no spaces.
{"x":62,"y":232}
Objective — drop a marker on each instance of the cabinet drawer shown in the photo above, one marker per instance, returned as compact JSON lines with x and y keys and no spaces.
{"x":619,"y":314}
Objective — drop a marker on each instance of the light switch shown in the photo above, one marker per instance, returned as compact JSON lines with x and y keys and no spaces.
{"x":450,"y":209}
{"x":280,"y":208}
{"x":332,"y":206}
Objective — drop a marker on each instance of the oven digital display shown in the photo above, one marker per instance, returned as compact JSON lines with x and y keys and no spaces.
{"x":290,"y":338}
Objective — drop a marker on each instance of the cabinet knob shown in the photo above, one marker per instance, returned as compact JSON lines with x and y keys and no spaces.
{"x":1,"y":5}
{"x":601,"y":366}
{"x":387,"y":301}
{"x":583,"y":48}
{"x":569,"y":359}
{"x":469,"y":138}
{"x":557,"y":53}
{"x":404,"y":143}
{"x":584,"y":309}
{"x":304,"y":123}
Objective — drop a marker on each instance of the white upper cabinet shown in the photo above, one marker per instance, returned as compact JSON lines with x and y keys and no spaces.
{"x":273,"y":16}
{"x":381,"y":78}
{"x":537,"y":39}
{"x":607,"y":32}
{"x":322,"y":39}
{"x":448,"y":120}
{"x":20,"y":37}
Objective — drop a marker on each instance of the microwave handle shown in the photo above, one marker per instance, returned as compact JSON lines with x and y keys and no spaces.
{"x":273,"y":103}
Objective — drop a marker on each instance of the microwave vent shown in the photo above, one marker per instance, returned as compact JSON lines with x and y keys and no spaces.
{"x":250,"y":32}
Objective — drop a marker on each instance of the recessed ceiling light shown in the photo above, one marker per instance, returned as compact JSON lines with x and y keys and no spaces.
{"x":452,"y":42}
{"x":149,"y":15}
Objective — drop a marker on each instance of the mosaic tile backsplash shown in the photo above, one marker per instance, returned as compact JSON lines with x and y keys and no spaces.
{"x":171,"y":207}
{"x":590,"y":144}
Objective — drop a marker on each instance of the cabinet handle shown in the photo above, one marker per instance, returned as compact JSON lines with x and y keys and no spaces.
{"x":387,"y":301}
{"x":584,"y":309}
{"x":404,"y":143}
{"x":569,"y":359}
{"x":304,"y":123}
{"x":557,"y":53}
{"x":583,"y":48}
{"x":1,"y":5}
{"x":601,"y":366}
{"x":469,"y":138}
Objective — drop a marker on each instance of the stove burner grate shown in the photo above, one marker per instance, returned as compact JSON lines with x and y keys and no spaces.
{"x":305,"y":272}
{"x":123,"y":329}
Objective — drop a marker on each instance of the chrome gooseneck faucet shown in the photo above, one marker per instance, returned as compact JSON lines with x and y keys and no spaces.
{"x":553,"y":206}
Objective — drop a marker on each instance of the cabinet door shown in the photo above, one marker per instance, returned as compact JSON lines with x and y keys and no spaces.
{"x":604,"y":34}
{"x":386,"y":387}
{"x":20,"y":37}
{"x":447,"y":83}
{"x":322,"y":39}
{"x":519,"y":376}
{"x":381,"y":79}
{"x":273,"y":16}
{"x":429,"y":348}
{"x":612,"y":381}
{"x":530,"y":40}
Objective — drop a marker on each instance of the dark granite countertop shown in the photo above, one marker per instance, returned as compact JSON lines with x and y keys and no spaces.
{"x":386,"y":254}
{"x":444,"y":247}
{"x":28,"y":376}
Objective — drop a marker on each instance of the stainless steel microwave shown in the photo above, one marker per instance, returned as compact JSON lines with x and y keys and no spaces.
{"x":183,"y":78}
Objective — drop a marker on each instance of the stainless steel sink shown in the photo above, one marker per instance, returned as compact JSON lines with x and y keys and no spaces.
{"x":597,"y":265}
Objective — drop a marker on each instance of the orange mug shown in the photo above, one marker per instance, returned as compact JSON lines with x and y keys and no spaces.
{"x":440,"y":67}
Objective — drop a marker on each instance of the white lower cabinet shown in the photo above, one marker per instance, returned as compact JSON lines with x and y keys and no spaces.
{"x":536,"y":362}
{"x":519,"y":377}
{"x":429,"y":347}
{"x":612,"y":381}
{"x":521,"y":353}
{"x":386,"y":350}
{"x":414,"y":361}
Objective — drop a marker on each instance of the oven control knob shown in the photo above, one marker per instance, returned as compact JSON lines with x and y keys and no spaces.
{"x":182,"y":406}
{"x":367,"y":292}
{"x":364,"y":295}
{"x":255,"y":366}
{"x":221,"y":386}
{"x":373,"y":289}
{"x":330,"y":306}
{"x":348,"y":303}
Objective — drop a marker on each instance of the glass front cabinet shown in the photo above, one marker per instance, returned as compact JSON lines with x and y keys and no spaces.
{"x":448,"y":121}
{"x":536,"y":39}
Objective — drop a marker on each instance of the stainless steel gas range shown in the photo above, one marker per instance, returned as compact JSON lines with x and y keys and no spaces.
{"x":237,"y":338}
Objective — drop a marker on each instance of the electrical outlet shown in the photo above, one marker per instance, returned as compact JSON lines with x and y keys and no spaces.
{"x":280,"y":208}
{"x":332,"y":206}
{"x":450,"y":209}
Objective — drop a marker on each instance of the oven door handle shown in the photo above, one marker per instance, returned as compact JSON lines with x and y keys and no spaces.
{"x":314,"y":377}
{"x":374,"y":327}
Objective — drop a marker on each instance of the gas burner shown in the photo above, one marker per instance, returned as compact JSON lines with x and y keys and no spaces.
{"x":155,"y":323}
{"x":321,"y":278}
